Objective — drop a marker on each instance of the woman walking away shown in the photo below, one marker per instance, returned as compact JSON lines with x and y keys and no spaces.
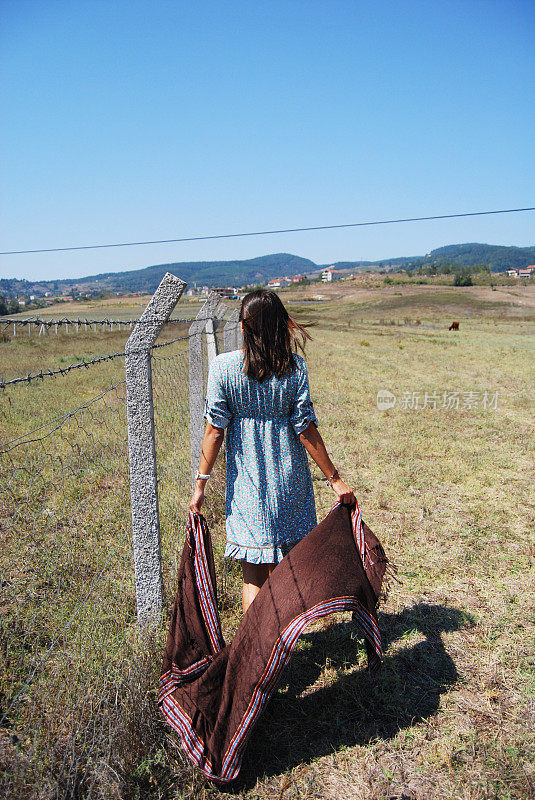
{"x":260,"y":395}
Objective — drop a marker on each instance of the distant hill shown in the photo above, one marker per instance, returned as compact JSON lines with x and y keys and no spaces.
{"x":209,"y":273}
{"x":497,"y":257}
{"x":264,"y":268}
{"x":233,"y":273}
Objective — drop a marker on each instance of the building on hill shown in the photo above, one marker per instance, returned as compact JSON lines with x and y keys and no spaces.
{"x":226,"y":291}
{"x":331,"y":274}
{"x":278,"y":283}
{"x":298,"y":278}
{"x":522,"y":272}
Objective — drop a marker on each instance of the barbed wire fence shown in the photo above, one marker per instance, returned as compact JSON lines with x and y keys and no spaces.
{"x":41,"y":326}
{"x":76,"y":668}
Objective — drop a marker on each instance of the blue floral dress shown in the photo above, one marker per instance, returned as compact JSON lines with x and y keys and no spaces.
{"x":269,"y":500}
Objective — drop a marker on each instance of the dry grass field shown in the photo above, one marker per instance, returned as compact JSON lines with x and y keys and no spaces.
{"x":450,"y":492}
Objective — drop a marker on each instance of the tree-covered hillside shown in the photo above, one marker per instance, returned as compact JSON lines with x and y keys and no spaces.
{"x":264,"y":268}
{"x":497,"y":257}
{"x":234,"y":273}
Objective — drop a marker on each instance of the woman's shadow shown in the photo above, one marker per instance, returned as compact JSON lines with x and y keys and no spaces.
{"x":313,"y":715}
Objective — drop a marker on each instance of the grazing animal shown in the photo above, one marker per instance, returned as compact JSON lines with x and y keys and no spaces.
{"x":454,"y":326}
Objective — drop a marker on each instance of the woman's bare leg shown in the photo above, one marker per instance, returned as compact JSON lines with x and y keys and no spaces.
{"x":254,"y":576}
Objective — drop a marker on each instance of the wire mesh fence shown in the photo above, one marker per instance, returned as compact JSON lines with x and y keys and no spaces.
{"x":170,"y":381}
{"x":76,"y":669}
{"x":66,"y":594}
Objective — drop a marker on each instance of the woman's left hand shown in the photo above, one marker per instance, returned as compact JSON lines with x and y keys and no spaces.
{"x":197,"y":499}
{"x":345,"y":495}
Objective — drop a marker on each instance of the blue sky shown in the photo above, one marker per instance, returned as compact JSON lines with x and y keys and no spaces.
{"x":137,"y":120}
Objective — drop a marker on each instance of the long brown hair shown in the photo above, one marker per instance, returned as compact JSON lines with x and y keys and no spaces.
{"x":270,"y":336}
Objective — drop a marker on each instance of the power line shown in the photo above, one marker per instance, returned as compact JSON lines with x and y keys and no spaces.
{"x":265,"y":233}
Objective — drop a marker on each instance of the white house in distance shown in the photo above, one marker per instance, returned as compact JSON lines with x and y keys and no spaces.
{"x":331,"y":274}
{"x":525,"y":272}
{"x":278,"y":283}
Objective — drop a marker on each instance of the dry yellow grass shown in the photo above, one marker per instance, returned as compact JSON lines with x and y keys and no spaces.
{"x":450,"y":493}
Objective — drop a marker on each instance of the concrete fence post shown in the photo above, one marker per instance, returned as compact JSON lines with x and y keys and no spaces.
{"x":211,"y":328}
{"x":196,"y":376}
{"x":142,"y":448}
{"x":232,"y":332}
{"x":211,"y":344}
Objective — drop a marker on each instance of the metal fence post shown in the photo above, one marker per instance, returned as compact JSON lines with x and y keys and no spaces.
{"x":142,"y":447}
{"x":196,"y":382}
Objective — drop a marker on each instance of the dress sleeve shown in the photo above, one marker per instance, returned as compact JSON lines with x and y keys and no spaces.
{"x":303,"y":410}
{"x":216,"y":410}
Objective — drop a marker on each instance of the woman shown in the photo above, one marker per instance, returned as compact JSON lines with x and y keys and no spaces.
{"x":260,"y":395}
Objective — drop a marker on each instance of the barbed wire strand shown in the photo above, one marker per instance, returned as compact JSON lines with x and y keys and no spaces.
{"x":78,"y":321}
{"x":52,"y":373}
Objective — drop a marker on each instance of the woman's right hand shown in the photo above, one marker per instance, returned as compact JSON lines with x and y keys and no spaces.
{"x":345,"y":495}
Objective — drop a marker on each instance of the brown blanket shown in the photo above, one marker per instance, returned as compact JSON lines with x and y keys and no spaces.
{"x":212,"y":693}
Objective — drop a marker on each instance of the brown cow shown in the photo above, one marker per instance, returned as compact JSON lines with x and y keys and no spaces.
{"x":454,"y":326}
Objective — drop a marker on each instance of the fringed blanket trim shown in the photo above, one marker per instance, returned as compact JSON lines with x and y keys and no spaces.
{"x":358,"y":533}
{"x":369,"y":556}
{"x":389,"y":578}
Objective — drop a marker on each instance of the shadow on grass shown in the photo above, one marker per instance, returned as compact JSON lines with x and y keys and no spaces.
{"x":305,"y":721}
